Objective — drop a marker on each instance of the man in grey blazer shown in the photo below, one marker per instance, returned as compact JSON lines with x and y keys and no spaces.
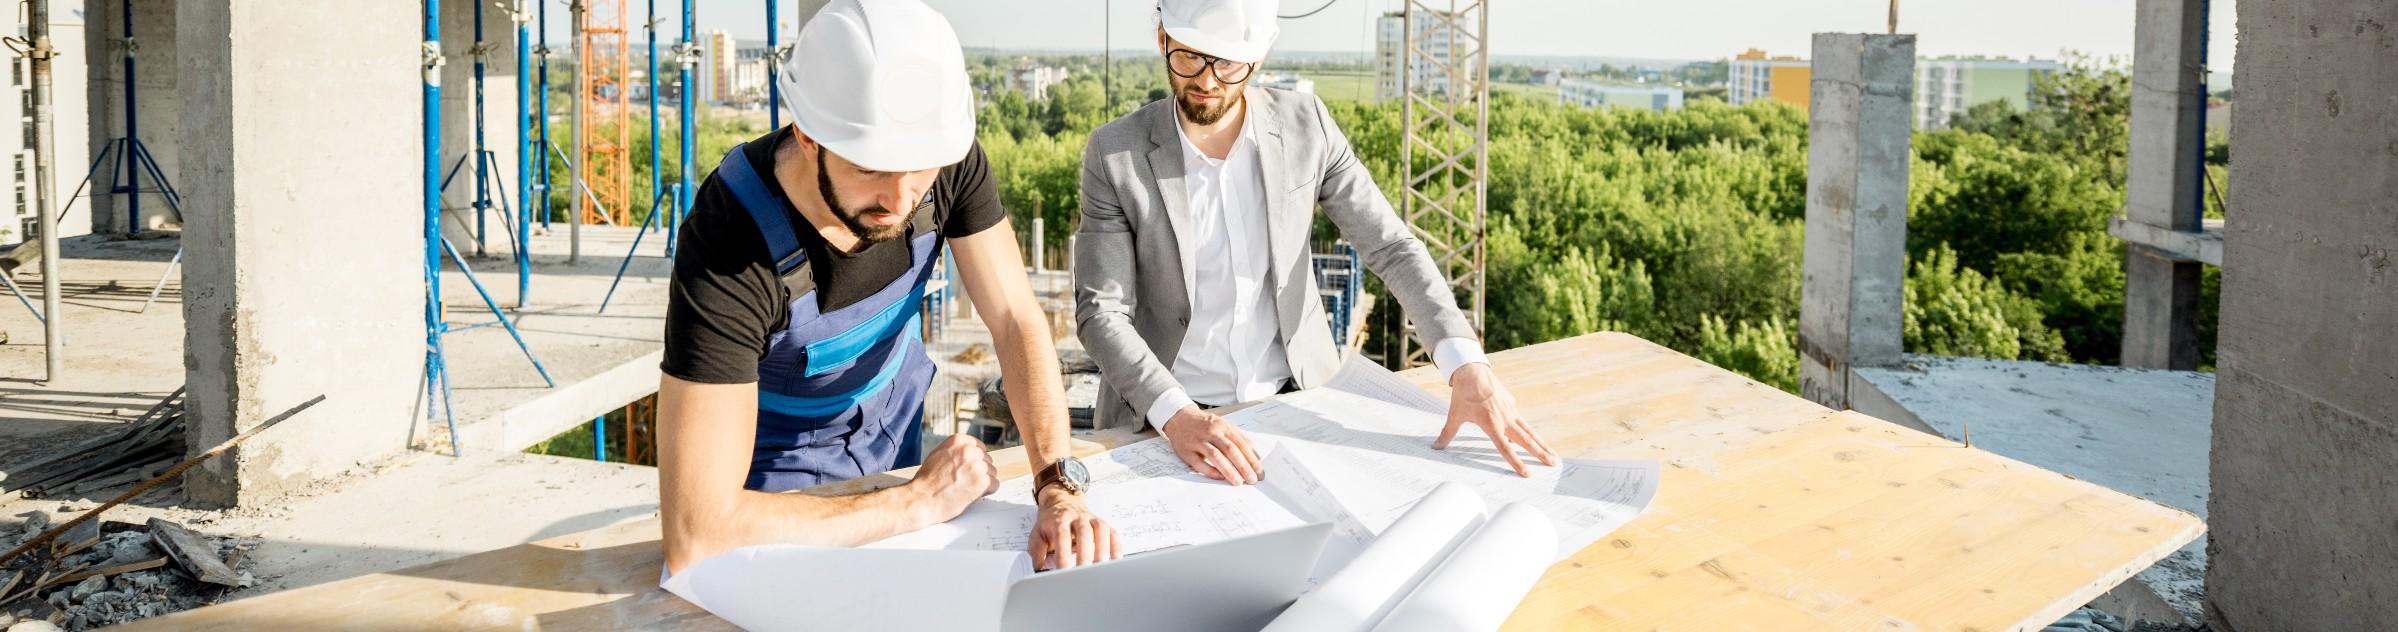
{"x":1193,"y":282}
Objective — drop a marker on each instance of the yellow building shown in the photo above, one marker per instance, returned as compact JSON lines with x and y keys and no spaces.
{"x":1754,"y":76}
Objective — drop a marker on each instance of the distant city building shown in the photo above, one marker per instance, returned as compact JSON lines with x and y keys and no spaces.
{"x":1756,"y":77}
{"x":1033,"y":80}
{"x":1581,"y":93}
{"x":1390,"y":42}
{"x":69,"y":128}
{"x":1945,"y":88}
{"x":716,"y":71}
{"x":747,"y":83}
{"x":1287,"y":81}
{"x":1547,"y":76}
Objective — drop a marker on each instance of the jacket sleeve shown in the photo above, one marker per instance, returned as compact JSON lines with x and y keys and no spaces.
{"x":1106,"y":272}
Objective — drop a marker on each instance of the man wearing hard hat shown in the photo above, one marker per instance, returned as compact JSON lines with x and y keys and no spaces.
{"x":1194,"y":286}
{"x":793,"y":354}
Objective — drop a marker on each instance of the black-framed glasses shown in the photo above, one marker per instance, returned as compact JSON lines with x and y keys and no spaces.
{"x":1188,"y":64}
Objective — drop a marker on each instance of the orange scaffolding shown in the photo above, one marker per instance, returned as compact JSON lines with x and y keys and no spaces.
{"x":603,"y":71}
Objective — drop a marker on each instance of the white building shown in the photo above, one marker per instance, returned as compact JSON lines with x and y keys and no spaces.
{"x":1945,"y":88}
{"x":1442,"y":43}
{"x":746,"y":82}
{"x":1034,"y":80}
{"x":69,"y":131}
{"x":1581,"y":93}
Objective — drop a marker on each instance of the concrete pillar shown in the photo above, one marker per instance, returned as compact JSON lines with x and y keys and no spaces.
{"x":303,"y":273}
{"x":1858,"y":134}
{"x":2160,"y":292}
{"x":2304,"y":510}
{"x":499,"y":116}
{"x":157,"y":107}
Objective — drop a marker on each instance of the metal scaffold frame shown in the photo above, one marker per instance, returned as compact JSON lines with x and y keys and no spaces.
{"x":603,"y":68}
{"x":436,"y":371}
{"x":1449,"y":123}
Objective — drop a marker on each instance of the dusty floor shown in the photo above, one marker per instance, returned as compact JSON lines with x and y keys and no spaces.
{"x":406,"y":509}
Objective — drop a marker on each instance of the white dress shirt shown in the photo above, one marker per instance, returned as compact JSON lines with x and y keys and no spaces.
{"x":1232,"y":350}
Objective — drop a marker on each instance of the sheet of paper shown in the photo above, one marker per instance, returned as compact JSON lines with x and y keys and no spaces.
{"x":1481,"y":582}
{"x":779,"y":587}
{"x":1365,"y":377}
{"x":1366,"y":589}
{"x":1150,"y":511}
{"x":1377,"y":458}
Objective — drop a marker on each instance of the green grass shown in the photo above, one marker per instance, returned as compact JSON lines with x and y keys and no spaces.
{"x":1343,"y":85}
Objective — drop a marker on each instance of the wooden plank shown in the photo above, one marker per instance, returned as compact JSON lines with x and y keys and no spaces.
{"x":1774,"y":514}
{"x":192,"y":552}
{"x":75,"y":539}
{"x":143,"y":565}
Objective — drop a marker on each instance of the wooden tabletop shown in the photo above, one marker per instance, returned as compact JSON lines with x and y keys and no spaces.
{"x":1774,"y":514}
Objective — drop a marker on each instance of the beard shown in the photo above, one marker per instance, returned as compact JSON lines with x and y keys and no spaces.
{"x":1203,"y":114}
{"x":855,"y":219}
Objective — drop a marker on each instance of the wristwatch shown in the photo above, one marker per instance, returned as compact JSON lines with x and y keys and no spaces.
{"x":1068,"y":472}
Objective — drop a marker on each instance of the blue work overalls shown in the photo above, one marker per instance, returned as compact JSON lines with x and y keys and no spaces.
{"x":840,"y":393}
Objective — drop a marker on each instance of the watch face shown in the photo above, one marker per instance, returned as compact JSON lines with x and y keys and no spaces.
{"x":1076,"y":475}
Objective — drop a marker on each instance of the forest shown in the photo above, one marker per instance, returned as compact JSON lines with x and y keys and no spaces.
{"x":1684,"y":226}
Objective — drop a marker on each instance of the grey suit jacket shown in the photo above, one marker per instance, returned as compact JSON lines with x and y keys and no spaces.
{"x":1132,"y":275}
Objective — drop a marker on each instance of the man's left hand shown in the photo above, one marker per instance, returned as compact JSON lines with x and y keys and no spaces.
{"x":1475,"y":395}
{"x":1066,"y":534}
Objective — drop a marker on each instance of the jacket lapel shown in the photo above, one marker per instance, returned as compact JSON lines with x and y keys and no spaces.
{"x":1282,"y":237}
{"x":1165,"y":162}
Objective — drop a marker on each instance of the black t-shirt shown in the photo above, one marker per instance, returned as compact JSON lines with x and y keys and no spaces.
{"x":725,"y":297}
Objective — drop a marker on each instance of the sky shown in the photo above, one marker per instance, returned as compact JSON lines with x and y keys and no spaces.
{"x":1656,"y":29}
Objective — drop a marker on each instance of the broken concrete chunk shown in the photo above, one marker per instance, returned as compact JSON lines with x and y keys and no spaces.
{"x":87,"y":588}
{"x":192,"y":552}
{"x":35,"y":625}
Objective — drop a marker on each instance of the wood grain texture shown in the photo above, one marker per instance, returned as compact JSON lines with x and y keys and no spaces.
{"x":1774,"y":514}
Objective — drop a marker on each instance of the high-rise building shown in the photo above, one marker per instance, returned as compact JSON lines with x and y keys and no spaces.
{"x":68,"y":131}
{"x":1581,"y":93}
{"x":1756,"y":77}
{"x":1946,"y":87}
{"x":716,"y":79}
{"x":1438,"y":37}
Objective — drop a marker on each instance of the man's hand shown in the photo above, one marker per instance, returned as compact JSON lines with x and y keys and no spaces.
{"x":1213,"y":447}
{"x":1476,"y":395}
{"x":1066,"y":534}
{"x":955,"y":474}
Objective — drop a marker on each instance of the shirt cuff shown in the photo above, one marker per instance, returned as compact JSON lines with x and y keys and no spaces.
{"x":1451,"y":354}
{"x":1163,"y":409}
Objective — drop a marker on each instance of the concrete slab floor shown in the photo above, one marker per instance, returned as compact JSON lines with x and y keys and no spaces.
{"x":414,"y":509}
{"x":2143,"y":432}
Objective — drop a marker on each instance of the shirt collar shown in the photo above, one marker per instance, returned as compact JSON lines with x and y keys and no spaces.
{"x":1245,"y":137}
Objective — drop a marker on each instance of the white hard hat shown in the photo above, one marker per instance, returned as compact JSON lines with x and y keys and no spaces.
{"x":883,"y":84}
{"x":1236,"y":30}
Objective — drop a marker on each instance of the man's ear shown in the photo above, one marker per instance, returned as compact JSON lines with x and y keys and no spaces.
{"x":1161,"y":42}
{"x":806,"y":144}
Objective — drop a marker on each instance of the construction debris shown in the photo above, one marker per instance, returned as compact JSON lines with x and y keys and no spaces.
{"x":129,"y":572}
{"x":140,"y":450}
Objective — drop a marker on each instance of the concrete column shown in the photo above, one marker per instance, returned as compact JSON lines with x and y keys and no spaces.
{"x":499,"y":116}
{"x":303,"y":273}
{"x":2160,"y":292}
{"x":2304,"y":510}
{"x":157,"y":107}
{"x":1859,"y":128}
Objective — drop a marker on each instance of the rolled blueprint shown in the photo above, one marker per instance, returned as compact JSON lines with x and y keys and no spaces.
{"x":1483,"y":580}
{"x":1365,"y":590}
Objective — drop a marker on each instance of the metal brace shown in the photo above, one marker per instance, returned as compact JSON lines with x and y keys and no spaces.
{"x":433,"y":63}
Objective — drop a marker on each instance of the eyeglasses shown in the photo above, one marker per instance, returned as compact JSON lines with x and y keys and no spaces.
{"x":1187,"y":64}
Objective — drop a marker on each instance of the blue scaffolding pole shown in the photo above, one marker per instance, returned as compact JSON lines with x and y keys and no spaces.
{"x":683,"y":108}
{"x":665,"y":198}
{"x":524,"y":161}
{"x":774,"y":63}
{"x":437,"y":379}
